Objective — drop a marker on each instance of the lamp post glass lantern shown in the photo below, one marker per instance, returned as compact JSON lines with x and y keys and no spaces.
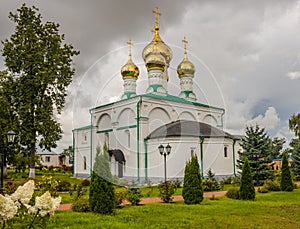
{"x":164,"y":152}
{"x":10,"y":139}
{"x":11,"y":136}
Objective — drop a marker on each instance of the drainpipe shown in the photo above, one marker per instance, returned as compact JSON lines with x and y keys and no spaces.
{"x":138,"y":136}
{"x":222,"y":118}
{"x":201,"y":155}
{"x":233,"y":157}
{"x":146,"y":159}
{"x":73,"y":152}
{"x":91,"y":144}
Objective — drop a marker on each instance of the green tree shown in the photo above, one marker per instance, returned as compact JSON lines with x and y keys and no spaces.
{"x":256,"y":147}
{"x":295,"y":151}
{"x":102,"y":198}
{"x":286,"y":182}
{"x":247,"y":191}
{"x":41,"y":69}
{"x":211,"y":176}
{"x":294,"y":124}
{"x":192,"y":191}
{"x":276,"y":147}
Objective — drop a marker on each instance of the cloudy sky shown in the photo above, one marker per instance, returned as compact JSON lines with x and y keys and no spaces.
{"x":246,"y":53}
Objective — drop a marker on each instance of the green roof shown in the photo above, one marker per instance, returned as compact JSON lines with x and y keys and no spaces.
{"x":167,"y":97}
{"x":179,"y":100}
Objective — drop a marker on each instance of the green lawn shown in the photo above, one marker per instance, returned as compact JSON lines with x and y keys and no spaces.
{"x":270,"y":210}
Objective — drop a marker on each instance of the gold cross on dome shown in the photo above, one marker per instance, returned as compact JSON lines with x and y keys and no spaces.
{"x":184,"y":43}
{"x":156,"y":15}
{"x":130,"y":43}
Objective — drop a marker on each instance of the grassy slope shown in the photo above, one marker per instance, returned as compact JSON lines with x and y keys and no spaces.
{"x":271,"y":210}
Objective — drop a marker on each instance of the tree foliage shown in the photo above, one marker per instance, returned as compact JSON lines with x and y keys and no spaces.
{"x":256,"y":147}
{"x":247,"y":191}
{"x":295,"y":165}
{"x":294,"y":124}
{"x":40,"y":69}
{"x":192,"y":191}
{"x":286,"y":182}
{"x":276,"y":147}
{"x":102,"y":198}
{"x":211,"y":176}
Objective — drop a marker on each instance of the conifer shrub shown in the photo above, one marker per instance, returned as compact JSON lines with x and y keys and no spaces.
{"x":272,"y":185}
{"x":286,"y":182}
{"x":247,"y":191}
{"x":233,"y":193}
{"x":192,"y":191}
{"x":211,"y":176}
{"x":102,"y":197}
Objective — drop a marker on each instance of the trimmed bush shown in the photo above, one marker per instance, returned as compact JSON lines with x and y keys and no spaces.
{"x":233,"y":193}
{"x":208,"y":185}
{"x":166,"y":191}
{"x":134,"y":195}
{"x":272,"y":185}
{"x":81,"y":205}
{"x":286,"y":182}
{"x":247,"y":191}
{"x":86,"y":182}
{"x":102,"y":197}
{"x":64,"y":186}
{"x":192,"y":191}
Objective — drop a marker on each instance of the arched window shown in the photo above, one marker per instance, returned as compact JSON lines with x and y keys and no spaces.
{"x":225,"y":152}
{"x":84,"y":163}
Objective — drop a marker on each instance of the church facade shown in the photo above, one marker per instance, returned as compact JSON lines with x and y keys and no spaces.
{"x":135,"y":126}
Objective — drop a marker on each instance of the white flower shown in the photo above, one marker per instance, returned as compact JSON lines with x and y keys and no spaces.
{"x":45,"y":204}
{"x":24,"y":193}
{"x":8,"y":209}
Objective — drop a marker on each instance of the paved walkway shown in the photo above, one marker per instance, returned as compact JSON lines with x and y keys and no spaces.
{"x":153,"y":200}
{"x":158,"y":199}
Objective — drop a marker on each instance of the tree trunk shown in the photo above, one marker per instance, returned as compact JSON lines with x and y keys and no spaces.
{"x":32,"y":161}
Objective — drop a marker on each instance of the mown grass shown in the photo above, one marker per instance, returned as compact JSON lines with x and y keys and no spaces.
{"x":270,"y":210}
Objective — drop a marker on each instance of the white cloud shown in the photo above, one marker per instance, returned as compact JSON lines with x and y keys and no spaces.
{"x":293,"y":75}
{"x":269,"y":120}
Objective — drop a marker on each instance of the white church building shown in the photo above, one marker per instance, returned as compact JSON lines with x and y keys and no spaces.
{"x":135,"y":126}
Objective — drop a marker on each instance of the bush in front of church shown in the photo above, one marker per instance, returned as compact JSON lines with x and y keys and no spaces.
{"x":247,"y":191}
{"x":192,"y":191}
{"x":167,"y":190}
{"x":286,"y":181}
{"x":102,"y":197}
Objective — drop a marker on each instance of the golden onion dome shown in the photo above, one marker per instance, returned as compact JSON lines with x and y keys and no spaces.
{"x":130,"y":70}
{"x":186,"y":67}
{"x":155,"y":60}
{"x":162,"y":48}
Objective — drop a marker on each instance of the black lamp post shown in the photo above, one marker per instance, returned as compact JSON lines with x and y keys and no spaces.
{"x":164,"y":152}
{"x":10,"y":138}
